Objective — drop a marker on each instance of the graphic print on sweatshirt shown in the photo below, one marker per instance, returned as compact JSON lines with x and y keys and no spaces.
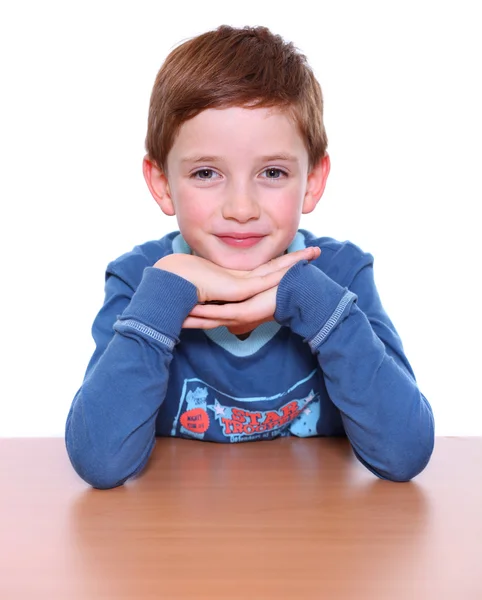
{"x":210,"y":414}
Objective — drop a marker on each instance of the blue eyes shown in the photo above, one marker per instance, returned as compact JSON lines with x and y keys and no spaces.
{"x":210,"y":174}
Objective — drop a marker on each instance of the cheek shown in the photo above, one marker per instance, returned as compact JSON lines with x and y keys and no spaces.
{"x":191,"y":209}
{"x":287,"y":208}
{"x":191,"y":214}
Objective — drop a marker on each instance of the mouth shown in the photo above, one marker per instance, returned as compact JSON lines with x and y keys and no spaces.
{"x":240,"y":240}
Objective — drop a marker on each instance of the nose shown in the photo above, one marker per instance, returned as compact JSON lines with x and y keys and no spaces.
{"x":240,"y":204}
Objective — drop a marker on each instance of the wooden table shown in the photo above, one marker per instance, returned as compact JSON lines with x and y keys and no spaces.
{"x":289,"y":518}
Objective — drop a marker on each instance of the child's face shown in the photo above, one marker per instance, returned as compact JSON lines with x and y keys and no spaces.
{"x":238,"y":180}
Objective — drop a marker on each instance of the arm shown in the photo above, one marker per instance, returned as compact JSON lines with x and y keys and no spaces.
{"x":388,"y":421}
{"x":110,"y":430}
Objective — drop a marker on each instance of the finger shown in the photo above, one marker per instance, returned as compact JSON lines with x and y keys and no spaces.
{"x":200,"y":310}
{"x":243,"y":289}
{"x":216,"y":312}
{"x":274,"y":264}
{"x":243,"y":285}
{"x":258,"y":308}
{"x":196,"y":323}
{"x":287,"y":260}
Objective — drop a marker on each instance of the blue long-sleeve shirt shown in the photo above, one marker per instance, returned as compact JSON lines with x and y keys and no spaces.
{"x":330,"y":364}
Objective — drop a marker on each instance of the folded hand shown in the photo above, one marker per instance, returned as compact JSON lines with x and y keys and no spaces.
{"x":246,"y":298}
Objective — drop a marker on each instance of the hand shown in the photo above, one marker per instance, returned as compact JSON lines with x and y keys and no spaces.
{"x":244,"y":316}
{"x":239,"y":318}
{"x":214,"y":283}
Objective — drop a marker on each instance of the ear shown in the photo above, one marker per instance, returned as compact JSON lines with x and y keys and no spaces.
{"x":158,"y":186}
{"x":316,"y":184}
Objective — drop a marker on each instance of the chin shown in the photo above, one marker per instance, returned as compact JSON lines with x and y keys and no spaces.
{"x":237,"y":259}
{"x":240,"y":263}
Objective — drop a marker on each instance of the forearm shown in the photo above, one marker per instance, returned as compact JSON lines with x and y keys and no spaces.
{"x":110,"y":430}
{"x":388,"y":421}
{"x":386,"y":418}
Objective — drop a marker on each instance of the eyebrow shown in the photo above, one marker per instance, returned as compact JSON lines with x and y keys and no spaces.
{"x":267,"y":158}
{"x":275,"y":157}
{"x":201,"y":159}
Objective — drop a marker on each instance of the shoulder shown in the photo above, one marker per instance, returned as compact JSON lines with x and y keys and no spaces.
{"x":130,"y":266}
{"x":340,"y":260}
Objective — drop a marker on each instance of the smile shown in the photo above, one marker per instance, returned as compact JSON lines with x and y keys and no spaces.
{"x":240,"y":240}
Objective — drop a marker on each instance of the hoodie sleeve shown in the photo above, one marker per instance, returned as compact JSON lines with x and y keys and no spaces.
{"x":110,"y":429}
{"x":388,"y":421}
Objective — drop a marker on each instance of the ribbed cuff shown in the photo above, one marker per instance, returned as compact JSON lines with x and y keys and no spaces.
{"x":308,"y":301}
{"x":162,"y":301}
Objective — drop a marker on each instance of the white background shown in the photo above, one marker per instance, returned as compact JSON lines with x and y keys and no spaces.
{"x":403,"y":104}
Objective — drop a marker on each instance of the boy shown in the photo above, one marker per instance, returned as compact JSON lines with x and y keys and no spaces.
{"x":239,"y":327}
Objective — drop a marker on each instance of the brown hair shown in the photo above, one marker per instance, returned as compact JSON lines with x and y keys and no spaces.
{"x":247,"y":66}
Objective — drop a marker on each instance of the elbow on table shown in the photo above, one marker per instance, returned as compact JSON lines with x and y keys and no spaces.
{"x":102,"y":464}
{"x":412,"y":455}
{"x":103,"y":472}
{"x":99,"y":474}
{"x":103,"y":481}
{"x":405,"y":471}
{"x":404,"y":453}
{"x":402,"y":465}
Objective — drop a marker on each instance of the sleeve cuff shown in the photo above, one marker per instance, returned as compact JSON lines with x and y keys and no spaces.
{"x":162,"y":302}
{"x":310,"y":303}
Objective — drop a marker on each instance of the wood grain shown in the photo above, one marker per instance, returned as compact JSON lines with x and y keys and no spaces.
{"x":289,"y":518}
